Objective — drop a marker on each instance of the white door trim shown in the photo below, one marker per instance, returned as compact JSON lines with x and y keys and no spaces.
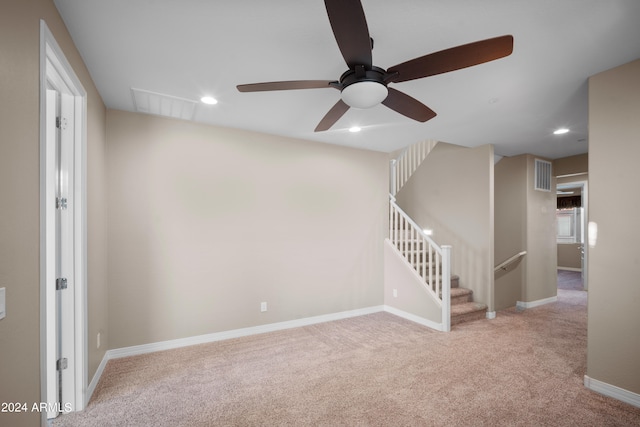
{"x":585,"y":230}
{"x":55,"y":71}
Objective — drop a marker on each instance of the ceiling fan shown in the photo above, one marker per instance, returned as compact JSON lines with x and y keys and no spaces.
{"x":364,"y":85}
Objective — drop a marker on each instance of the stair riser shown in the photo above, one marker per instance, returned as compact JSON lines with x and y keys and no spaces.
{"x":468,"y":312}
{"x":469,"y":317}
{"x":461,"y":299}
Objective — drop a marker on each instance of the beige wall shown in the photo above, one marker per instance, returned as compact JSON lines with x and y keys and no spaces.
{"x":525,"y":220}
{"x":510,"y":228}
{"x":19,"y":213}
{"x":452,"y":193}
{"x":540,"y":263}
{"x":411,"y":294}
{"x":572,"y":165}
{"x":613,"y":342}
{"x":569,"y":255}
{"x":205,"y":223}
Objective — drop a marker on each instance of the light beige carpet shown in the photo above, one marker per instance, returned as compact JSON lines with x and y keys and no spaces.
{"x":520,"y":369}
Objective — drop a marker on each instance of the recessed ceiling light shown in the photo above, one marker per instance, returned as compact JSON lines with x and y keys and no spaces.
{"x":355,"y":129}
{"x":560,"y":131}
{"x":209,"y":100}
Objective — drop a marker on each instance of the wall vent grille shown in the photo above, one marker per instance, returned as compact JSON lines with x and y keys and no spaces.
{"x":163,"y":105}
{"x":542,"y":175}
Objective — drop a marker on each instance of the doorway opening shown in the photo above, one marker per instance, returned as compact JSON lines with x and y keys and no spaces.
{"x":572,"y":233}
{"x":63,"y":350}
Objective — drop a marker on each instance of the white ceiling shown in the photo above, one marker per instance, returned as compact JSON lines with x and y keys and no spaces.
{"x":191,"y":48}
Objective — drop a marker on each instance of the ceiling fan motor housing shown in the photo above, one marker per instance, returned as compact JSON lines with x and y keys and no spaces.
{"x":362,"y":88}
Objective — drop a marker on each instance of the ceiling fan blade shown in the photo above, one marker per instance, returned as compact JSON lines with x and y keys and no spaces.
{"x":350,"y":29}
{"x":408,"y":106}
{"x":288,"y":85}
{"x":452,"y":59}
{"x":332,"y":116}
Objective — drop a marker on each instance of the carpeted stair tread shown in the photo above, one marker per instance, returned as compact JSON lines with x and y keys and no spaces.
{"x":457,"y":292}
{"x":460,"y":295}
{"x":467,"y":312}
{"x":467,"y":307}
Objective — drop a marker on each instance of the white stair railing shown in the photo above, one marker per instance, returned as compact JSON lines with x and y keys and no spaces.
{"x":431,"y":262}
{"x":407,"y":162}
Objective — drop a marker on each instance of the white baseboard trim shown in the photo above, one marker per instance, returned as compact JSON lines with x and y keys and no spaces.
{"x":520,"y":305}
{"x":612,"y":391}
{"x":412,"y":317}
{"x":237,"y":333}
{"x":491,"y":315}
{"x":96,"y":377}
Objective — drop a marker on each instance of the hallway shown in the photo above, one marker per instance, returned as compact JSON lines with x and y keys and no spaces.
{"x":570,"y":280}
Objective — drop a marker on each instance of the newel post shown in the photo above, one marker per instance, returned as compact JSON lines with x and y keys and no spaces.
{"x":392,"y":177}
{"x":446,"y":288}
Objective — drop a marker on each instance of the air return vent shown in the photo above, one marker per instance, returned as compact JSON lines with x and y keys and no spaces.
{"x":542,"y":175}
{"x":163,"y":105}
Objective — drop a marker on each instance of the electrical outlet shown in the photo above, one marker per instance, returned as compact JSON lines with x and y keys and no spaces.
{"x":98,"y":341}
{"x":263,"y":307}
{"x":395,"y":293}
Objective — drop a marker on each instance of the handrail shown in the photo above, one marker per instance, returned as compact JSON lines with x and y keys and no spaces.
{"x":503,"y":264}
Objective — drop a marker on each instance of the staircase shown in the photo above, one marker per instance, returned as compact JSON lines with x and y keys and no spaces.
{"x":463,"y":309}
{"x":422,"y":253}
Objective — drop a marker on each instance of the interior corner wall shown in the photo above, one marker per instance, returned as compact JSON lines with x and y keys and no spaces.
{"x":525,"y":221}
{"x":451,"y":192}
{"x":613,"y":342}
{"x":510,"y":228}
{"x":205,"y":223}
{"x":20,"y":189}
{"x":541,"y":281}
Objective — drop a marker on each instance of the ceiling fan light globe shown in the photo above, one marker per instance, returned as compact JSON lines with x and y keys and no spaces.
{"x":364,"y":94}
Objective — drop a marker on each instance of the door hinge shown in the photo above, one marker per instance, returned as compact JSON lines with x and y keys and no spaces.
{"x":61,"y":123}
{"x":61,"y":203}
{"x":61,"y":283}
{"x":61,"y":364}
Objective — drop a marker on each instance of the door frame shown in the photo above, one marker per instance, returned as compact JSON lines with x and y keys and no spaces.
{"x":56,"y":71}
{"x":584,"y":184}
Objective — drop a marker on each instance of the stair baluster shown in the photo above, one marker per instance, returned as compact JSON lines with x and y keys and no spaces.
{"x":416,"y":247}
